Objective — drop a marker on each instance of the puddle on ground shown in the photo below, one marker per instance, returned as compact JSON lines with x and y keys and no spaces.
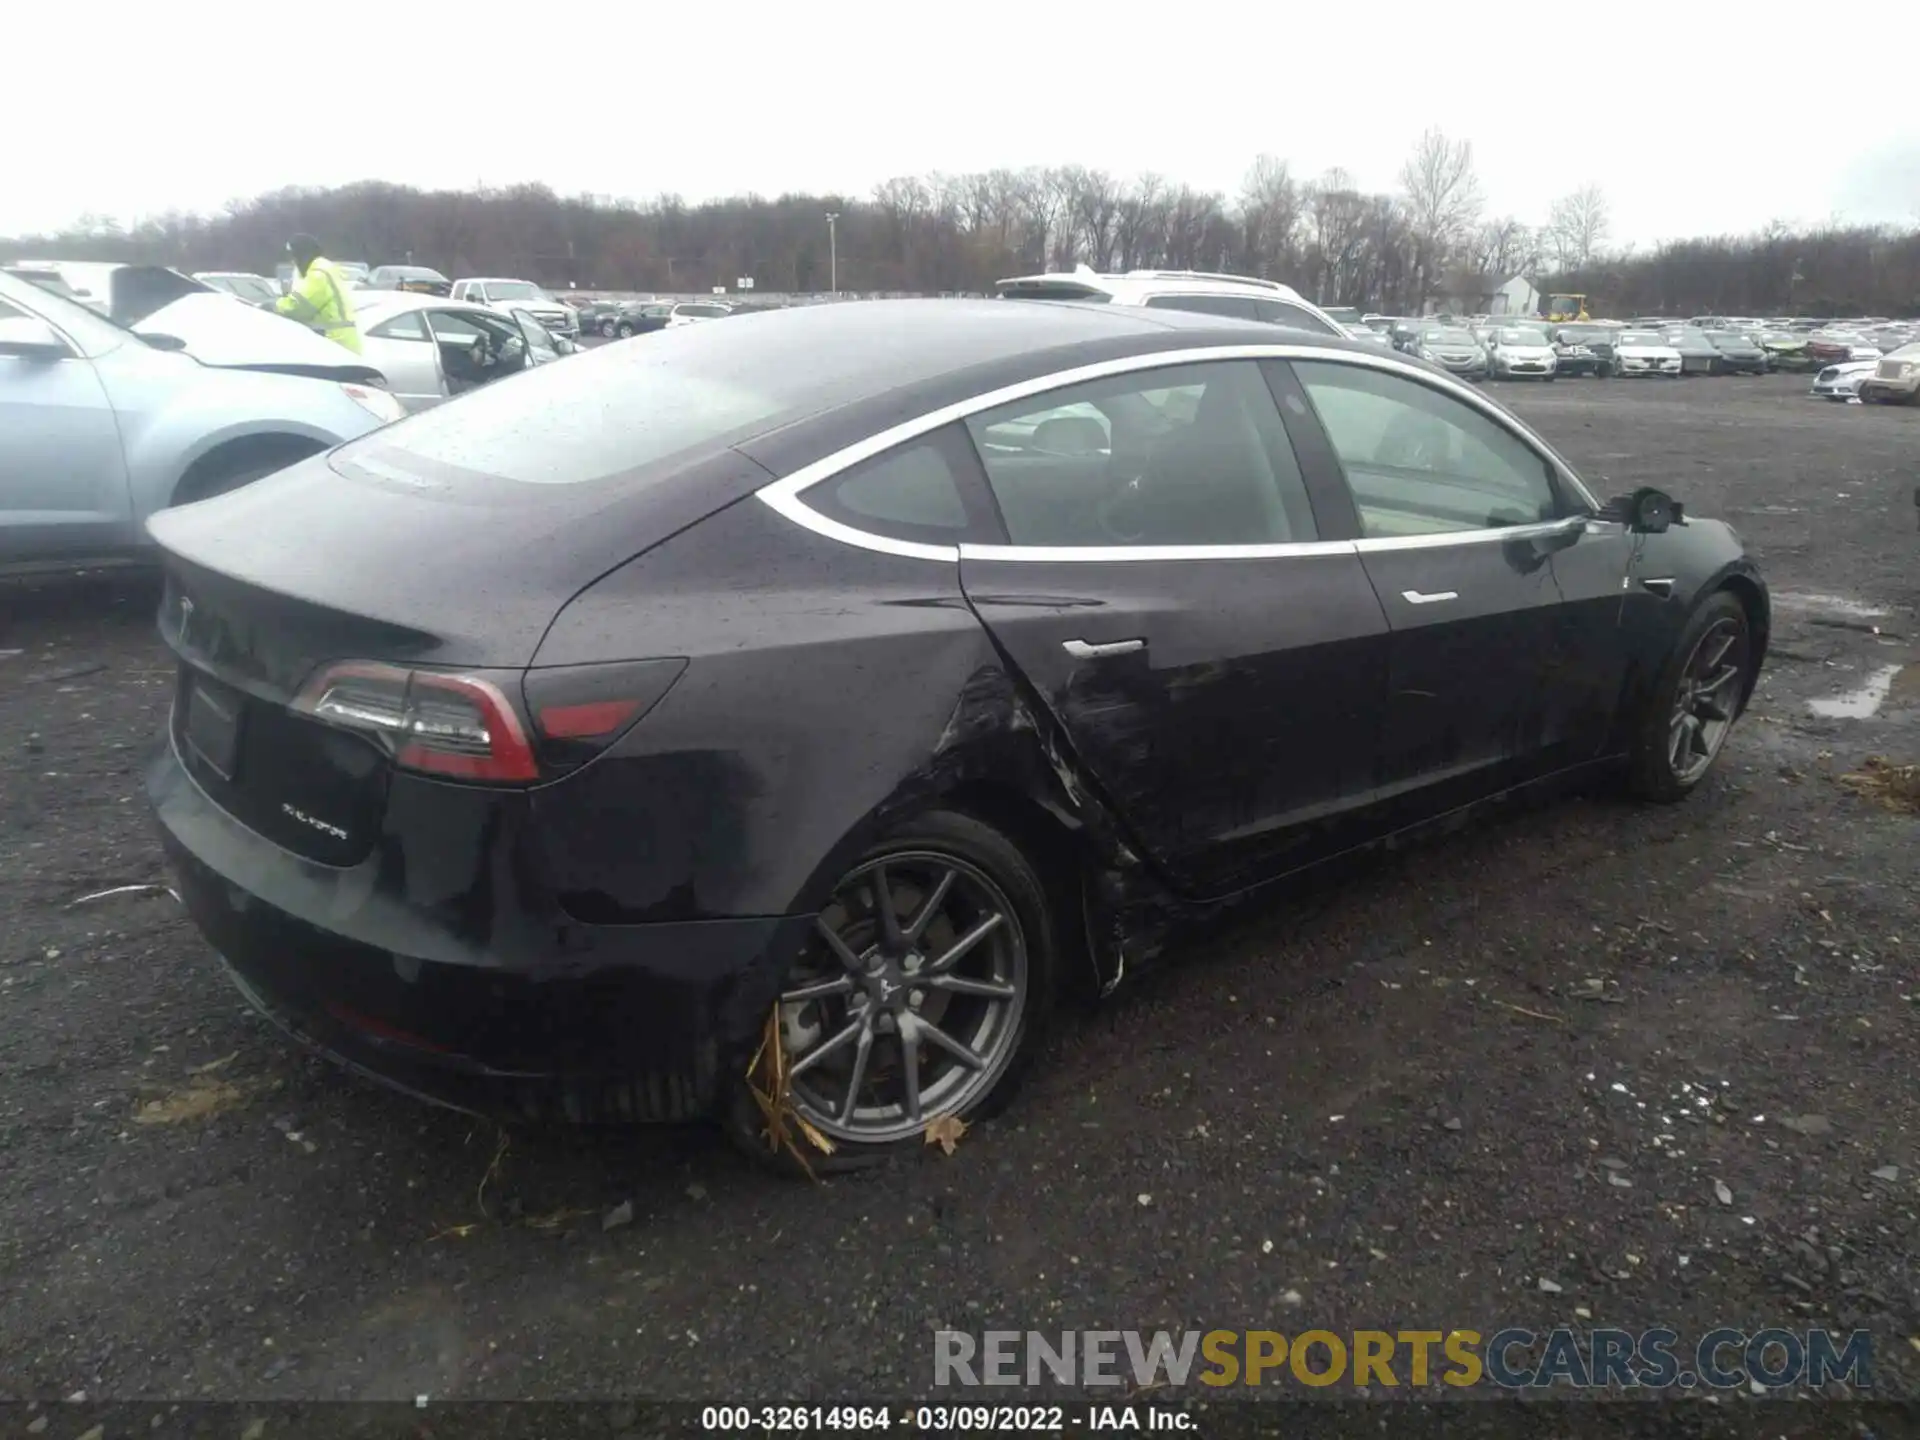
{"x":1859,"y":704}
{"x":1832,"y":604}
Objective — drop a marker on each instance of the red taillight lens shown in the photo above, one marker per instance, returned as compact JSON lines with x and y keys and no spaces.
{"x":579,"y":710}
{"x":462,"y":726}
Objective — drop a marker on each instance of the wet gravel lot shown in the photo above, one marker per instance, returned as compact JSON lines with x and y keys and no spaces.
{"x":1590,"y":1064}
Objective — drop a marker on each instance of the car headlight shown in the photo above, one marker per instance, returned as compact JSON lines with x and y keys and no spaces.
{"x":378,"y":403}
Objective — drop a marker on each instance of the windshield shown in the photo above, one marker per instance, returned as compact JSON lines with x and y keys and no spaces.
{"x":1727,"y":337}
{"x":1522,"y":337}
{"x":1695,"y":338}
{"x":1344,"y":314}
{"x":1640,"y":337}
{"x":1448,"y":337}
{"x":705,"y":312}
{"x":249,"y":287}
{"x":515,"y":290}
{"x":93,"y":332}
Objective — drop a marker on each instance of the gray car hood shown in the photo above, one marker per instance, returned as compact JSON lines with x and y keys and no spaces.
{"x":224,"y":331}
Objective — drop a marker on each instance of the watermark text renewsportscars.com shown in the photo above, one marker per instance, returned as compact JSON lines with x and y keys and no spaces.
{"x":1507,"y":1359}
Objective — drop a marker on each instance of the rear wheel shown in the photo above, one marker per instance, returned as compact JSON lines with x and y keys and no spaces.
{"x":625,"y":330}
{"x":1694,"y":703}
{"x":607,"y":329}
{"x":922,"y":995}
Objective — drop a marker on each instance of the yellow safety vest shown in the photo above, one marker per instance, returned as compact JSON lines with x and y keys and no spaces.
{"x":319,"y":300}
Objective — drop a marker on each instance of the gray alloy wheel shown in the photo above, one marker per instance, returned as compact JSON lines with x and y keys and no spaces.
{"x":625,"y":330}
{"x":1693,"y":706}
{"x":910,"y":1003}
{"x":1707,"y":700}
{"x":607,"y":329}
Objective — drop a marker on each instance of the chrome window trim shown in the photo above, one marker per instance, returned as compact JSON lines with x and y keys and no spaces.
{"x":1056,"y":553}
{"x":1439,"y":538}
{"x":784,"y":495}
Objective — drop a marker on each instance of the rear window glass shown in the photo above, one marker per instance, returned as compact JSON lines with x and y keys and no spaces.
{"x":616,"y":410}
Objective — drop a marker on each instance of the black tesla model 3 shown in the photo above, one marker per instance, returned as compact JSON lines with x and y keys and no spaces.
{"x":884,"y":668}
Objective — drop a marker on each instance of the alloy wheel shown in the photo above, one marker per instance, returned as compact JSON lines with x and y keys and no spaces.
{"x":1706,"y":699}
{"x":908,"y":1004}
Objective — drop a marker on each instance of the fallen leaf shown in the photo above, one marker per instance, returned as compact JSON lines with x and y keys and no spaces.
{"x":555,"y":1220}
{"x":457,"y":1232}
{"x":197,"y":1101}
{"x":946,"y":1132}
{"x":1722,"y":1193}
{"x":213,"y":1065}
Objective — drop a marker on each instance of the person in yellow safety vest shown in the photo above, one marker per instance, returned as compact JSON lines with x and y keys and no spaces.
{"x":319,"y":297}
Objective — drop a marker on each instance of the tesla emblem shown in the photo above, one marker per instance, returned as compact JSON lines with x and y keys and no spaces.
{"x":888,"y":988}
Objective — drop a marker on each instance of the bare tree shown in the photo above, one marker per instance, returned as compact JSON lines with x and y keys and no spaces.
{"x":1269,"y":218}
{"x":1442,"y":197}
{"x":935,"y":233}
{"x":1578,"y":225}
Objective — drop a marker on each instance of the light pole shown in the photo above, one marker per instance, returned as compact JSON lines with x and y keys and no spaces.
{"x":833,"y":255}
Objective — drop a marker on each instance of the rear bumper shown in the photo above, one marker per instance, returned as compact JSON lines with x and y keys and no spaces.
{"x":533,"y":1014}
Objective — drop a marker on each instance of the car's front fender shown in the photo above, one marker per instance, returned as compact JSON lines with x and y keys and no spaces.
{"x":169,"y":423}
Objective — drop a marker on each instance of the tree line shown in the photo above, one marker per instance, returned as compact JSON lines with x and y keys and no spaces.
{"x":1429,"y":242}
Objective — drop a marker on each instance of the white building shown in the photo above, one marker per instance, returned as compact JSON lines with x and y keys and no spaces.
{"x":1515,"y":297}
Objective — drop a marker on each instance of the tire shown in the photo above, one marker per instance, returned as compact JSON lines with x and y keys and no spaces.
{"x":1549,"y":378}
{"x":241,"y":464}
{"x":625,"y":331}
{"x":1655,"y":774}
{"x":607,"y":329}
{"x":858,"y":1097}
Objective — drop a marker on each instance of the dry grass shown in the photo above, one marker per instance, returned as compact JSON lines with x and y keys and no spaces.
{"x":1895,"y":786}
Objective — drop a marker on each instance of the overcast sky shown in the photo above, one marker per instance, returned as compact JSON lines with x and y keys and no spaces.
{"x":1712,"y":119}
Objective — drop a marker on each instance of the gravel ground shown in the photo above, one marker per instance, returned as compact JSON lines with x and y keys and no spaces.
{"x":1560,"y":1049}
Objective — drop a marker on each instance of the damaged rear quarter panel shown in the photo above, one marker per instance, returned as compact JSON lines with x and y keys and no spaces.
{"x":829,"y":692}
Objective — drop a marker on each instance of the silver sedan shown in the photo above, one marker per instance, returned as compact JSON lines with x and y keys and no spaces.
{"x":432,"y":349}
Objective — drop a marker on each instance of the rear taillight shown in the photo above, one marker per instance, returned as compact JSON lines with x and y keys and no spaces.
{"x":579,"y":710}
{"x":469,"y":726}
{"x":460,"y":726}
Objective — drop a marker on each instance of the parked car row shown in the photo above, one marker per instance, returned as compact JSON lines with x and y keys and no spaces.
{"x":618,"y":319}
{"x":1845,"y":357}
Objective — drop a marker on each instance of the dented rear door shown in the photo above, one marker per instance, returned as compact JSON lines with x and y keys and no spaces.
{"x":1217,"y":666}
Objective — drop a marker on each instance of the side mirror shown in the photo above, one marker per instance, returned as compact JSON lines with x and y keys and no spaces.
{"x":27,"y":337}
{"x":1650,"y":512}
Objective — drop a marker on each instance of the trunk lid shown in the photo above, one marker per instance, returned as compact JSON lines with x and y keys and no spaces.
{"x":395,"y":557}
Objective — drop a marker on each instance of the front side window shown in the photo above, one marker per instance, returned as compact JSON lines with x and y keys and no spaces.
{"x":1239,"y":307}
{"x":1181,"y":455}
{"x":1420,"y":462}
{"x":466,"y":326}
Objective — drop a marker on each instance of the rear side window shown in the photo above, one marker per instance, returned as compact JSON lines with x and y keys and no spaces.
{"x":1239,"y":307}
{"x":1182,"y":455}
{"x":920,"y":491}
{"x":1279,"y":312}
{"x":404,"y":326}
